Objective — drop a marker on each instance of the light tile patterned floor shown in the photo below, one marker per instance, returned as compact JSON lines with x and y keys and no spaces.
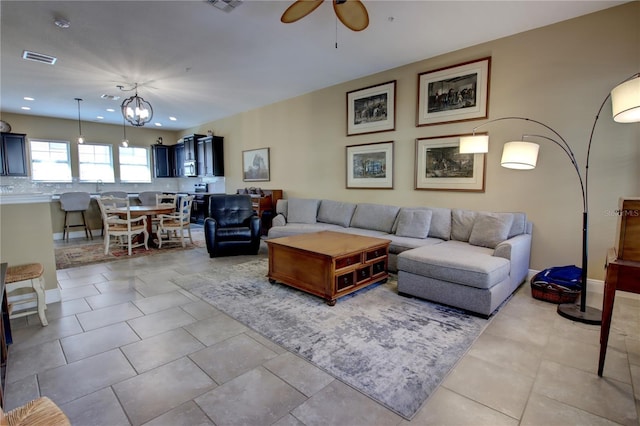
{"x":126,"y":346}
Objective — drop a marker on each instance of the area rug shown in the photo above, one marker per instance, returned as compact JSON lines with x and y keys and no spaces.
{"x":84,"y":253}
{"x":394,"y":349}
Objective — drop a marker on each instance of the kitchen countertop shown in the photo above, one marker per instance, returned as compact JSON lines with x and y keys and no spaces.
{"x":24,"y":198}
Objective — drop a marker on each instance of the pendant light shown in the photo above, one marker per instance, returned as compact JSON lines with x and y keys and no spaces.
{"x":125,"y":141}
{"x":80,"y":137}
{"x":135,"y":109}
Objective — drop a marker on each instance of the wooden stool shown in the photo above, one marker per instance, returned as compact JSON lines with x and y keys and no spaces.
{"x":27,"y":276}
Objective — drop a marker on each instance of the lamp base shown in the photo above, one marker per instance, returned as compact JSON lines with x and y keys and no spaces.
{"x":572,"y":311}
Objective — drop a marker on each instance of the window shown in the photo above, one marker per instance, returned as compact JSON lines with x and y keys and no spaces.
{"x":50,"y":161}
{"x":96,"y":163}
{"x":134,"y":164}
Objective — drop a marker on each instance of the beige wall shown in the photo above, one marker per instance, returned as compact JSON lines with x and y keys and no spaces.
{"x":558,"y":75}
{"x":26,"y":238}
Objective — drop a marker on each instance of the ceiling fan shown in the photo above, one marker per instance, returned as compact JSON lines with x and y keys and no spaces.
{"x":351,"y":13}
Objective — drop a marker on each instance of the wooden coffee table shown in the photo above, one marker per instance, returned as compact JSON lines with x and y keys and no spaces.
{"x":328,"y":264}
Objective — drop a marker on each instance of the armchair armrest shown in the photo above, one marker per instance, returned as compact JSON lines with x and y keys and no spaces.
{"x":279,"y":220}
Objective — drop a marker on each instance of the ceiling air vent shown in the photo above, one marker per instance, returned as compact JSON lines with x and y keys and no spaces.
{"x":39,"y":57}
{"x":225,"y":5}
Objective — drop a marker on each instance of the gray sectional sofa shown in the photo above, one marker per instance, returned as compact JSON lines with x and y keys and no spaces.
{"x":468,"y":259}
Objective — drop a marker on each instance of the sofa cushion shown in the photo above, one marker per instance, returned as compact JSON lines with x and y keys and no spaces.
{"x":413,"y":223}
{"x":378,"y":217}
{"x":456,"y":262}
{"x":282,"y":206}
{"x":440,"y":226}
{"x":490,"y":229}
{"x":462,"y":224}
{"x":302,"y":210}
{"x":519,"y":225}
{"x":336,"y":212}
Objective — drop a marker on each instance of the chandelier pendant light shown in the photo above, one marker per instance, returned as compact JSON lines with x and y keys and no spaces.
{"x":80,"y":137}
{"x":135,"y":109}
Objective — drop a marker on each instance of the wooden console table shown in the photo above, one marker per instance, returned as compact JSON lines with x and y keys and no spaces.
{"x":623,"y":275}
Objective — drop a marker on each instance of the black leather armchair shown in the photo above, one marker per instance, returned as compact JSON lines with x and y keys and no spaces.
{"x":231,"y":227}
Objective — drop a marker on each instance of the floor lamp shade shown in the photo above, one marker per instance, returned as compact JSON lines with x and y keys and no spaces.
{"x":475,"y":144}
{"x":520,"y":155}
{"x":625,"y":101}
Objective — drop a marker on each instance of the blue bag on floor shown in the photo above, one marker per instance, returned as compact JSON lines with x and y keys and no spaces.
{"x":566,"y":276}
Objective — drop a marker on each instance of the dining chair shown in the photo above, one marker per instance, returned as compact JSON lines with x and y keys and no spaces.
{"x":118,"y":223}
{"x":116,"y":194}
{"x":148,"y":198}
{"x":174,"y":225}
{"x":164,"y":199}
{"x":75,"y":202}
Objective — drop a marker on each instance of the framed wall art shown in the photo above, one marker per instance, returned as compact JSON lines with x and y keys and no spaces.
{"x":255,"y":165}
{"x":440,"y":166}
{"x":372,"y":109}
{"x":456,"y":93}
{"x":370,"y":166}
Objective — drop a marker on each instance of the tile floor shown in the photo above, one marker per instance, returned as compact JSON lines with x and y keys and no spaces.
{"x":126,"y":346}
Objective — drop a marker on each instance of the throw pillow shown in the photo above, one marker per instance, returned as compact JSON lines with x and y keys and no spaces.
{"x":302,"y":210}
{"x":490,"y":229}
{"x":414,"y":223}
{"x":462,"y":224}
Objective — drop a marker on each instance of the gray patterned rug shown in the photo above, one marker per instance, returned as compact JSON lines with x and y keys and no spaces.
{"x":394,"y":349}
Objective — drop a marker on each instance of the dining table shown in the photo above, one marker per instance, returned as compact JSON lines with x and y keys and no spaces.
{"x":149,"y":212}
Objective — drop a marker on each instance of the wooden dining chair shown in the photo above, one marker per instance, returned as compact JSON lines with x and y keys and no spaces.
{"x":119,"y":224}
{"x":174,"y":225}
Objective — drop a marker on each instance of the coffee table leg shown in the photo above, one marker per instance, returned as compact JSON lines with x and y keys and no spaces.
{"x":330,"y":302}
{"x":272,"y":281}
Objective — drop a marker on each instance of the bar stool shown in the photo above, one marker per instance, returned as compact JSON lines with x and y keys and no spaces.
{"x":27,"y":276}
{"x":75,"y":202}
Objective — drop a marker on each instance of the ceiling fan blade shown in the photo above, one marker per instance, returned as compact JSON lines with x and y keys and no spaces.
{"x":299,"y":10}
{"x":352,"y":14}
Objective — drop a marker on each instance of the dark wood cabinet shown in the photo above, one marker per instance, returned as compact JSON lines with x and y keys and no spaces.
{"x":190,"y":147}
{"x":211,"y":156}
{"x":13,"y":155}
{"x":178,"y":157}
{"x":163,"y":163}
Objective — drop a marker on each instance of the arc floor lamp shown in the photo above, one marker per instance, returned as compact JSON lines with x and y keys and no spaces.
{"x":625,"y":103}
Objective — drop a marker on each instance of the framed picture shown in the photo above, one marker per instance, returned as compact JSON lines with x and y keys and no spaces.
{"x":370,"y":166}
{"x":255,"y":165}
{"x":372,"y":109}
{"x":441,"y":167}
{"x":457,"y":93}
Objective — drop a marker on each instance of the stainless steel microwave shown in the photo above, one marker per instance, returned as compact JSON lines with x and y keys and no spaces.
{"x":190,"y":168}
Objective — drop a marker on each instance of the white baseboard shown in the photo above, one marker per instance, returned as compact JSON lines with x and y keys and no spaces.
{"x":75,"y":234}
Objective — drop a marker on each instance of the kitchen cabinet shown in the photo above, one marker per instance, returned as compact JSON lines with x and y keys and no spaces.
{"x":190,"y":147}
{"x":163,"y":163}
{"x":210,"y":156}
{"x":13,"y":154}
{"x":178,"y":157}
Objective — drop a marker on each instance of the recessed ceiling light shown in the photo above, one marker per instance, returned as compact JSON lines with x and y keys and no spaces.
{"x":99,"y":117}
{"x":158,"y":124}
{"x":27,"y":98}
{"x":62,"y":23}
{"x":110,"y":97}
{"x":25,"y":108}
{"x":172,"y":118}
{"x":110,"y":110}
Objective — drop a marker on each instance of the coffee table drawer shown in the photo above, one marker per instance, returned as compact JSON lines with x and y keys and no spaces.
{"x":375,"y":253}
{"x":346,"y":261}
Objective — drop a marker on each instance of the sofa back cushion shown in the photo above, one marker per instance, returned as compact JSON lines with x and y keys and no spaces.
{"x":336,"y":212}
{"x":378,"y":217}
{"x":282,"y":206}
{"x":462,"y":224}
{"x":413,"y":223}
{"x":519,"y":225}
{"x":302,"y":210}
{"x":440,"y":226}
{"x":490,"y":229}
